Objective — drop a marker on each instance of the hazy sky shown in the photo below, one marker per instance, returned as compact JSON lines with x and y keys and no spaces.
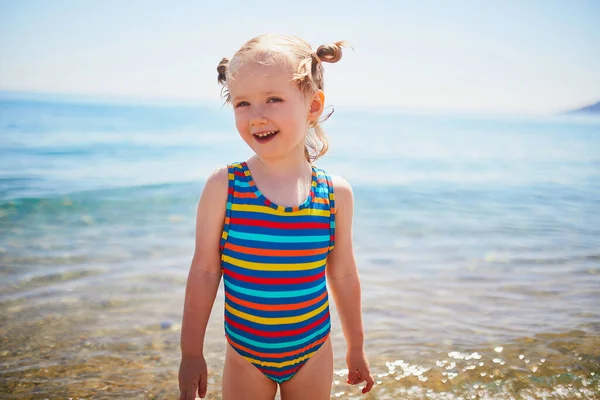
{"x":491,"y":56}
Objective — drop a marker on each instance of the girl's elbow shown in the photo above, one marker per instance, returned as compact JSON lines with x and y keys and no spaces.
{"x":346,"y":276}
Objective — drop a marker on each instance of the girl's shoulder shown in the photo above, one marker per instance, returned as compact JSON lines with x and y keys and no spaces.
{"x":217,"y":183}
{"x":343,"y":191}
{"x":340,"y":184}
{"x":341,"y":188}
{"x":219,"y":175}
{"x":337,"y":181}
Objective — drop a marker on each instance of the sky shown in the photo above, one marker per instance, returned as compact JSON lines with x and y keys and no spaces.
{"x":510,"y":56}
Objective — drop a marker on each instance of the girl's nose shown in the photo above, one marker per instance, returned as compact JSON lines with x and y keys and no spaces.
{"x":257,"y":117}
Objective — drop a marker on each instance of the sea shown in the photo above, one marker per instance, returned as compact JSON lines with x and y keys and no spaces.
{"x":477,"y":239}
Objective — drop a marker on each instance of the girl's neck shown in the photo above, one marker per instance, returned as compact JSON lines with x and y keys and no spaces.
{"x":292,"y":164}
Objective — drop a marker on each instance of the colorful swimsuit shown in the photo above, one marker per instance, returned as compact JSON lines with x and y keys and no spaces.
{"x":273,"y":261}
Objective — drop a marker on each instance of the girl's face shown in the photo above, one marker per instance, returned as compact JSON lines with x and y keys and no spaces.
{"x":271,"y":113}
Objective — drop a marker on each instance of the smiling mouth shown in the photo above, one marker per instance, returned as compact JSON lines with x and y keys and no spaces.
{"x":264,"y":136}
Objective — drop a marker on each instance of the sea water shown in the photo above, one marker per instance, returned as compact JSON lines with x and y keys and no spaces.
{"x":477,"y":240}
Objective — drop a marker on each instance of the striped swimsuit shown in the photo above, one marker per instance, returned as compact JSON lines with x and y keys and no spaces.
{"x":273,"y":260}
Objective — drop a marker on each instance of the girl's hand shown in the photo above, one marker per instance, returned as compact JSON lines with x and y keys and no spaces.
{"x":192,"y":377}
{"x":358,"y":369}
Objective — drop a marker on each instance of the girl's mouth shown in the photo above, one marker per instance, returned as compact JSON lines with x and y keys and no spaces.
{"x":263,"y":137}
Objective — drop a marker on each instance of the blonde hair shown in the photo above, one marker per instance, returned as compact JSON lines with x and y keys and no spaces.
{"x":306,"y":66}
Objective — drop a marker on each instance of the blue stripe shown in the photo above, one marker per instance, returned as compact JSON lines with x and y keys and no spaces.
{"x":265,"y":230}
{"x":281,"y":239}
{"x":278,"y":246}
{"x":272,"y":295}
{"x":273,"y":287}
{"x":244,"y":188}
{"x":276,"y":300}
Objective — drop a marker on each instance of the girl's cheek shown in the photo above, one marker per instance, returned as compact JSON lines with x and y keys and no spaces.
{"x":239,"y":123}
{"x":239,"y":117}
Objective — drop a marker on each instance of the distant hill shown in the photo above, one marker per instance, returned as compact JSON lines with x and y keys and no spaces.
{"x":591,"y":109}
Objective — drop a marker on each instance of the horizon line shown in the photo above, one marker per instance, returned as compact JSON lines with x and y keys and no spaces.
{"x":150,"y":100}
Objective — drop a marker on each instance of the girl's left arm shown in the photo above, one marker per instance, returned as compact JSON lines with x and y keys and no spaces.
{"x":342,"y":275}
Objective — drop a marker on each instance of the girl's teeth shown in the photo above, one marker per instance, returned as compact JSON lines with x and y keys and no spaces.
{"x":265,"y":134}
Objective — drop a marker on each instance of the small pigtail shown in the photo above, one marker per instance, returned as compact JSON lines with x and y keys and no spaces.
{"x":222,"y":78}
{"x":311,"y":76}
{"x":331,"y":52}
{"x":222,"y":70}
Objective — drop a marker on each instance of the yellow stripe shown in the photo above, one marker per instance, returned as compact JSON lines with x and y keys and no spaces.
{"x":276,"y":321}
{"x":272,"y":267}
{"x":280,"y":211}
{"x":224,"y":235}
{"x":279,"y":364}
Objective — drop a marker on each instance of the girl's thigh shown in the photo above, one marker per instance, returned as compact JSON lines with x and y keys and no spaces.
{"x":242,"y":380}
{"x":313,"y":381}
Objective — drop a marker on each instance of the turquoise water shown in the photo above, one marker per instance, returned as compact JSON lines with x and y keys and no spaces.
{"x":472,"y":234}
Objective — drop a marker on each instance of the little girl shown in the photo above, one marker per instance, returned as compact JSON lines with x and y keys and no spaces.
{"x":275,"y":227}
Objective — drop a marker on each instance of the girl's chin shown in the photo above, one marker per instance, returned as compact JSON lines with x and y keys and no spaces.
{"x":274,"y":147}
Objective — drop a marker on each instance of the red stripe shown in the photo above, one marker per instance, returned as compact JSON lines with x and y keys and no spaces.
{"x":244,"y":195}
{"x":239,"y":173}
{"x":280,"y":225}
{"x":284,"y":372}
{"x":273,"y":281}
{"x":276,"y":307}
{"x":290,"y":332}
{"x":275,"y":253}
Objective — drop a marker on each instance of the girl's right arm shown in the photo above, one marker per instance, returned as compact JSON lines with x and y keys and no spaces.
{"x":202,"y":284}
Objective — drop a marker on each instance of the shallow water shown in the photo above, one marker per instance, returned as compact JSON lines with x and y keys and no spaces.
{"x":478,"y":243}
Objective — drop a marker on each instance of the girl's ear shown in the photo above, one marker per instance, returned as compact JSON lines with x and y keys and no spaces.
{"x":316,"y":106}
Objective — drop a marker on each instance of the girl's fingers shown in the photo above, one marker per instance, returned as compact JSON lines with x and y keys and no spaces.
{"x":355,"y":377}
{"x":351,"y":377}
{"x":355,"y":382}
{"x":370,"y":382}
{"x":203,"y":386}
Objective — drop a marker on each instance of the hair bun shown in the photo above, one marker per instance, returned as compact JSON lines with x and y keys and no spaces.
{"x":222,"y":70}
{"x":331,"y":52}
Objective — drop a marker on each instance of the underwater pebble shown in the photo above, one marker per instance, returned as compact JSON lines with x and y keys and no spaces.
{"x":166,"y":325}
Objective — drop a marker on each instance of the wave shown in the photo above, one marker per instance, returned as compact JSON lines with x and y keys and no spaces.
{"x":114,"y":192}
{"x":544,"y":260}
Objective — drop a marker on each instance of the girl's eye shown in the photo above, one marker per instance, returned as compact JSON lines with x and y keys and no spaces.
{"x":242,"y":104}
{"x":274,"y":100}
